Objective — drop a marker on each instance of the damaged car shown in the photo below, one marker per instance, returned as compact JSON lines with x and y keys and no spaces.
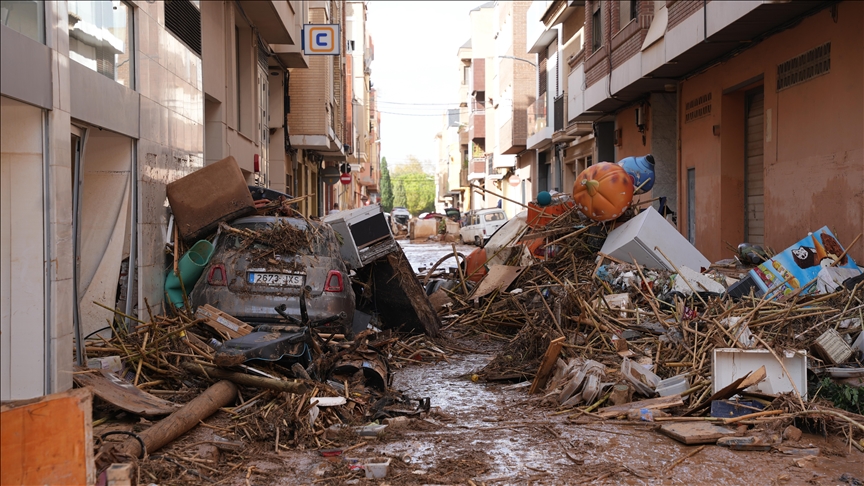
{"x":263,"y":262}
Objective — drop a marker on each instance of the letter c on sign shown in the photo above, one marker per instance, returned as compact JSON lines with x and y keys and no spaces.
{"x":321,"y":39}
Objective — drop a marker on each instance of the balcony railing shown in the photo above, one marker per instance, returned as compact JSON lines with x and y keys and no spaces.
{"x":559,"y":110}
{"x":478,"y":166}
{"x":537,"y":115}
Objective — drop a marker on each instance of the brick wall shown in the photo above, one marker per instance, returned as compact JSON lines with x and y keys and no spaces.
{"x":681,"y":9}
{"x":627,"y":50}
{"x":626,"y":43}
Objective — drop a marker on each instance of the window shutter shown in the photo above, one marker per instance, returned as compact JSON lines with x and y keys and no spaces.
{"x":183,"y":20}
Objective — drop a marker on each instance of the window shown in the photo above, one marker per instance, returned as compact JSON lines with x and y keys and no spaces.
{"x":627,"y":11}
{"x":494,"y":217}
{"x":465,"y":74}
{"x":25,"y":17}
{"x":100,"y":37}
{"x":596,"y":27}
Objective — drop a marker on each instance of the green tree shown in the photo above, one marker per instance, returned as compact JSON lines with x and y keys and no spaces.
{"x":399,"y":197}
{"x":417,"y":186}
{"x":386,"y":187}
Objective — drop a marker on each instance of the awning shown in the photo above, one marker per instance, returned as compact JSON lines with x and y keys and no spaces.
{"x":495,"y":177}
{"x":476,"y":175}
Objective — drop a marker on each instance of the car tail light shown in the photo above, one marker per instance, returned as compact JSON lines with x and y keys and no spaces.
{"x":484,"y":231}
{"x":217,"y":276}
{"x":334,"y":282}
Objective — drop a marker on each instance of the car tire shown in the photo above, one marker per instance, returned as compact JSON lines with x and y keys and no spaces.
{"x":478,"y":241}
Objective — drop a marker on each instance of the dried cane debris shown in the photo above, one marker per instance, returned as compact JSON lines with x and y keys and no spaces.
{"x":278,"y":407}
{"x":650,"y":332}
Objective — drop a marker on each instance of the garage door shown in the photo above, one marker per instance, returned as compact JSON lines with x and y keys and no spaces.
{"x":754,"y":187}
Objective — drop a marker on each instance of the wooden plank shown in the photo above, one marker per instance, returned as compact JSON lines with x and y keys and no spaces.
{"x":48,"y":440}
{"x":731,"y":389}
{"x":547,"y":364}
{"x":651,"y":404}
{"x":499,"y":277}
{"x":690,"y":433}
{"x":223,"y":322}
{"x":124,"y":395}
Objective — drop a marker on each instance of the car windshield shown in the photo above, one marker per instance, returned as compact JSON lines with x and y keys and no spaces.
{"x":494,"y":217}
{"x":286,"y":236}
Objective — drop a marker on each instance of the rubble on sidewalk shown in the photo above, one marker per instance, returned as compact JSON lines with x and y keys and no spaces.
{"x":652,"y":317}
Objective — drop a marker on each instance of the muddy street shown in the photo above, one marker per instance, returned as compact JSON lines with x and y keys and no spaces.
{"x":482,"y":433}
{"x":489,"y":434}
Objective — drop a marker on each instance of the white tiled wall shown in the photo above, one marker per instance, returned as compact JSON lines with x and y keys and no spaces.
{"x":22,"y":304}
{"x":171,"y":143}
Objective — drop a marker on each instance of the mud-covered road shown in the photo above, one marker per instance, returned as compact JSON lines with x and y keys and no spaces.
{"x":489,"y":434}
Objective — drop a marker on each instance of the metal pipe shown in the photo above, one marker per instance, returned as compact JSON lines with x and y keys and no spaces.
{"x":133,"y":235}
{"x":76,"y":246}
{"x":48,"y":257}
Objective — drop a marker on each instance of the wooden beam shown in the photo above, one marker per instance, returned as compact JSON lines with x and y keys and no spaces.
{"x":547,"y":364}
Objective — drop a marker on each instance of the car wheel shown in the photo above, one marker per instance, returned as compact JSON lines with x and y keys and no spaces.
{"x":478,"y":241}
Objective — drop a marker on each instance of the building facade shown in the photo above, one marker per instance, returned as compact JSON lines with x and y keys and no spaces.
{"x":103,"y":104}
{"x":753,"y":111}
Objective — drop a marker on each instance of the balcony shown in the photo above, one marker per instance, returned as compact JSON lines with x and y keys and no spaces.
{"x":558,"y":111}
{"x":287,"y":16}
{"x":539,"y":133}
{"x":477,"y":169}
{"x":276,"y":21}
{"x":477,"y":124}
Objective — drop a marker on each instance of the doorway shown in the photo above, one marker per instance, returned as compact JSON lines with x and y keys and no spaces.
{"x":754,"y":173}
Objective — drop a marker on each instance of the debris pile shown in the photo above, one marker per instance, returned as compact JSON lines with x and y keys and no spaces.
{"x":168,"y":363}
{"x":601,"y":335}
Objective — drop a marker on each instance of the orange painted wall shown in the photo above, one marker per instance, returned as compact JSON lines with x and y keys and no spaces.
{"x":813,"y":140}
{"x":631,"y":140}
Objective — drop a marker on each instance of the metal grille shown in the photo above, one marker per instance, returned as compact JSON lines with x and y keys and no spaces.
{"x":804,"y":67}
{"x":263,"y":54}
{"x":184,"y":21}
{"x":558,"y":105}
{"x":697,"y":108}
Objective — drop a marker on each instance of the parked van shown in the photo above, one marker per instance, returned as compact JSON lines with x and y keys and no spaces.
{"x":481,"y":224}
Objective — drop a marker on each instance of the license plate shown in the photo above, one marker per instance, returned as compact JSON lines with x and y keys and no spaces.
{"x":275,"y":279}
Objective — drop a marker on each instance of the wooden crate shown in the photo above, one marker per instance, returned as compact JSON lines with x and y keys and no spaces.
{"x":48,"y":440}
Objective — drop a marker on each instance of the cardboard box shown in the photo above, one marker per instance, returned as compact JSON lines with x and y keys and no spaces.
{"x":208,"y":196}
{"x":799,"y":265}
{"x":639,"y":236}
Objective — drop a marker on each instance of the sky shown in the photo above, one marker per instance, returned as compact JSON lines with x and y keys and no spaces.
{"x":415,"y":71}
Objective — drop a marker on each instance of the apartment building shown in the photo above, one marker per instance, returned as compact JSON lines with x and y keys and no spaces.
{"x":564,"y":147}
{"x":316,"y":119}
{"x":102,"y":107}
{"x":753,"y":111}
{"x":501,"y":82}
{"x":103,"y":104}
{"x":362,"y":120}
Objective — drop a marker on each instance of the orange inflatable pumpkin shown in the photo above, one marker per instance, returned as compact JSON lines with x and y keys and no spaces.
{"x":603,"y":191}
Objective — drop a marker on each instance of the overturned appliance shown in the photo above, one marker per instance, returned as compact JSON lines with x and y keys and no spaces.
{"x":384,"y":282}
